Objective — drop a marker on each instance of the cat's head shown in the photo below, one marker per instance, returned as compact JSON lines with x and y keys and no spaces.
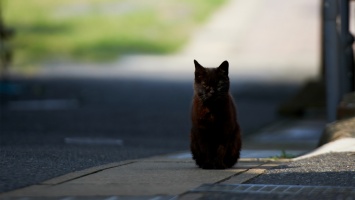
{"x":211,"y":83}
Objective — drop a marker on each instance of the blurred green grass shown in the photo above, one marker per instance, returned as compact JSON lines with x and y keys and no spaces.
{"x":101,"y":30}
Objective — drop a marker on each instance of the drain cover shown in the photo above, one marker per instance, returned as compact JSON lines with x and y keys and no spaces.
{"x":257,"y":191}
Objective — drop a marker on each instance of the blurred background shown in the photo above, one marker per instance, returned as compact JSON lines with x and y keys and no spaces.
{"x":88,"y":82}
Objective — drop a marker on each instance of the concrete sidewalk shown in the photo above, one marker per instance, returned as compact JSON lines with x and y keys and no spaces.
{"x":259,"y":172}
{"x":142,"y":178}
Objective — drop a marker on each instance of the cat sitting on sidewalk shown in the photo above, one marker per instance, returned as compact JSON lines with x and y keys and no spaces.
{"x":215,"y":133}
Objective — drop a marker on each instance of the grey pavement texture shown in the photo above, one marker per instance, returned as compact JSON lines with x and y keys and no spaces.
{"x":171,"y":175}
{"x":333,"y":169}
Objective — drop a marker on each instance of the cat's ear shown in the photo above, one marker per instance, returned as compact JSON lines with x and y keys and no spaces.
{"x":199,"y":71}
{"x":224,"y":67}
{"x":198,"y":67}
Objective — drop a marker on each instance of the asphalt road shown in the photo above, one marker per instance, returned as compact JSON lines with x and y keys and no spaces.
{"x":56,"y":134}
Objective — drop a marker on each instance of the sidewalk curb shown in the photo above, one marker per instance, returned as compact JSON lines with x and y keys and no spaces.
{"x":340,"y":145}
{"x":338,"y":136}
{"x":344,"y":128}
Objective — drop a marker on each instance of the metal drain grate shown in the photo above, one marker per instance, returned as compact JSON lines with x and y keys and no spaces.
{"x":273,"y":191}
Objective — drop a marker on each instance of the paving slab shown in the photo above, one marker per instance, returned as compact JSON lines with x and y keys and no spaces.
{"x":110,"y":197}
{"x":144,"y":177}
{"x":85,"y":172}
